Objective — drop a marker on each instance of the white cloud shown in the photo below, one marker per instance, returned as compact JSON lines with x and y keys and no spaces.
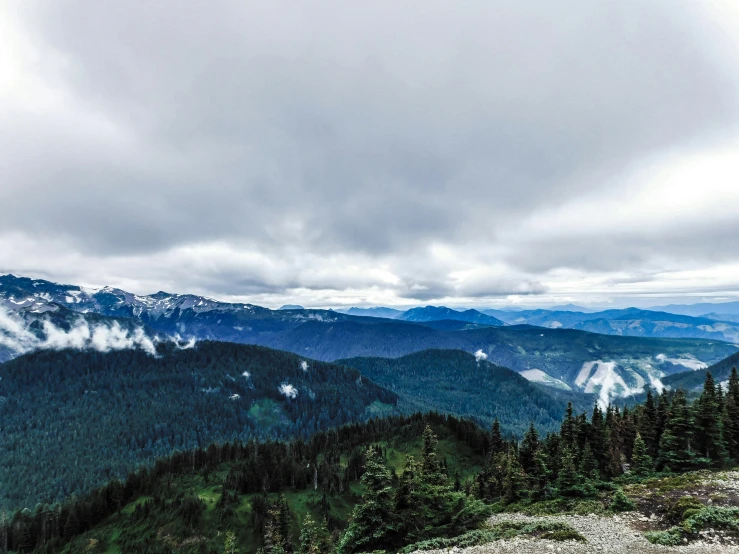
{"x":303,"y":365}
{"x":15,"y":334}
{"x":480,"y":355}
{"x":288,"y":390}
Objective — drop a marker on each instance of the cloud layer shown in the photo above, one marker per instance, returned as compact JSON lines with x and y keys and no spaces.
{"x":373,"y":154}
{"x":17,"y":336}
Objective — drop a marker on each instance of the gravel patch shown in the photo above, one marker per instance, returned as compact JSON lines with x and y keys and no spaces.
{"x":609,"y":535}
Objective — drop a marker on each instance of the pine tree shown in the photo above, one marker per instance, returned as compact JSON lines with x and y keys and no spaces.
{"x":588,"y":464}
{"x":430,"y":464}
{"x":647,"y":427}
{"x":313,"y":537}
{"x":373,"y":523}
{"x":567,"y":430}
{"x":529,"y":448}
{"x":514,"y":483}
{"x":731,"y":419}
{"x":708,"y":435}
{"x":676,"y":453}
{"x":568,"y":480}
{"x":641,"y":462}
{"x":730,"y":427}
{"x":496,"y":439}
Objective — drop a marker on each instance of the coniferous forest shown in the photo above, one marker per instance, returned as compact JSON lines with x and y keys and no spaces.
{"x":395,"y":484}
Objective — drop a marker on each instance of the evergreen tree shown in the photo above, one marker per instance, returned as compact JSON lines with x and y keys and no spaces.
{"x":676,"y":453}
{"x":730,"y":427}
{"x":496,"y":439}
{"x":529,"y":448}
{"x":647,"y":427}
{"x":514,"y":484}
{"x":567,"y":430}
{"x":588,"y":464}
{"x":313,"y":537}
{"x":708,"y":438}
{"x":373,"y":524}
{"x":731,"y":417}
{"x":641,"y":462}
{"x":568,"y":480}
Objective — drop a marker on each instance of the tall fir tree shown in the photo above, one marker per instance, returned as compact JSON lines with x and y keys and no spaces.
{"x":708,"y":438}
{"x":528,"y":449}
{"x":373,"y":523}
{"x":514,"y":484}
{"x":647,"y":427}
{"x":676,"y":453}
{"x":642,"y":464}
{"x":496,"y":439}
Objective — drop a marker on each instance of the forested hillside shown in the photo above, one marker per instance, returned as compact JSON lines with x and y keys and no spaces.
{"x":692,"y":381}
{"x":454,"y":381}
{"x":386,"y":484}
{"x":72,"y":420}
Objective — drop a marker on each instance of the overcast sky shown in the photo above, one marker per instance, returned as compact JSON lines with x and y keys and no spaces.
{"x":490,"y":152}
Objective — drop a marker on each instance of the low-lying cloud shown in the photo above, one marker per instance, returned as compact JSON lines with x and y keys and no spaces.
{"x":17,"y":336}
{"x":288,"y":390}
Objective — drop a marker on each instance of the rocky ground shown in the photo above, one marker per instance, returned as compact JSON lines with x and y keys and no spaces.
{"x":624,"y":533}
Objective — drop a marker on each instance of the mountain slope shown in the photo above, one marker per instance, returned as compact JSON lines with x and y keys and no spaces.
{"x":437,"y":313}
{"x":456,"y":382}
{"x":71,"y":420}
{"x":693,"y":380}
{"x":584,"y":361}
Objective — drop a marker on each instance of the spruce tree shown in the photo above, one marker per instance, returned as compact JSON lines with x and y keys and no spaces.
{"x":496,"y":439}
{"x":708,"y":437}
{"x":373,"y":522}
{"x":641,"y":462}
{"x":529,"y":448}
{"x":313,"y":537}
{"x":568,"y":480}
{"x":730,"y":427}
{"x":647,"y":427}
{"x":675,"y":447}
{"x":731,"y":432}
{"x":588,"y":464}
{"x":514,"y":483}
{"x":567,"y":429}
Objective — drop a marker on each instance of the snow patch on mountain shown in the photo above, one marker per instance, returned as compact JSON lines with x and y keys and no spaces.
{"x":687,"y":361}
{"x":539,"y":376}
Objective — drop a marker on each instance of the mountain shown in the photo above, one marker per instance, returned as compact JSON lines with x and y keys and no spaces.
{"x":437,"y":313}
{"x":582,"y":361}
{"x":71,"y":419}
{"x":700,"y":308}
{"x":389,"y":313}
{"x":632,"y":322}
{"x":456,"y":382}
{"x":693,"y":380}
{"x":291,"y":307}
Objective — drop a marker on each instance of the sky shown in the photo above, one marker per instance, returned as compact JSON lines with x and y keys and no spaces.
{"x":332,"y":153}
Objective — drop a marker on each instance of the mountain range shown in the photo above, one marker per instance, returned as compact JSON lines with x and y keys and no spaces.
{"x":614,"y":364}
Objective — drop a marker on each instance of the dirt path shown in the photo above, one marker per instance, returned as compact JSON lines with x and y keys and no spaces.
{"x":609,"y":535}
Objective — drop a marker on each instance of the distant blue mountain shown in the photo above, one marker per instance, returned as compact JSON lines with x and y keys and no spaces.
{"x":439,"y":313}
{"x":700,"y":309}
{"x":388,"y":313}
{"x":291,"y":307}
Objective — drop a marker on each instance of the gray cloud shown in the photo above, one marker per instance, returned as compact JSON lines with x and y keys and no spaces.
{"x":278,"y":150}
